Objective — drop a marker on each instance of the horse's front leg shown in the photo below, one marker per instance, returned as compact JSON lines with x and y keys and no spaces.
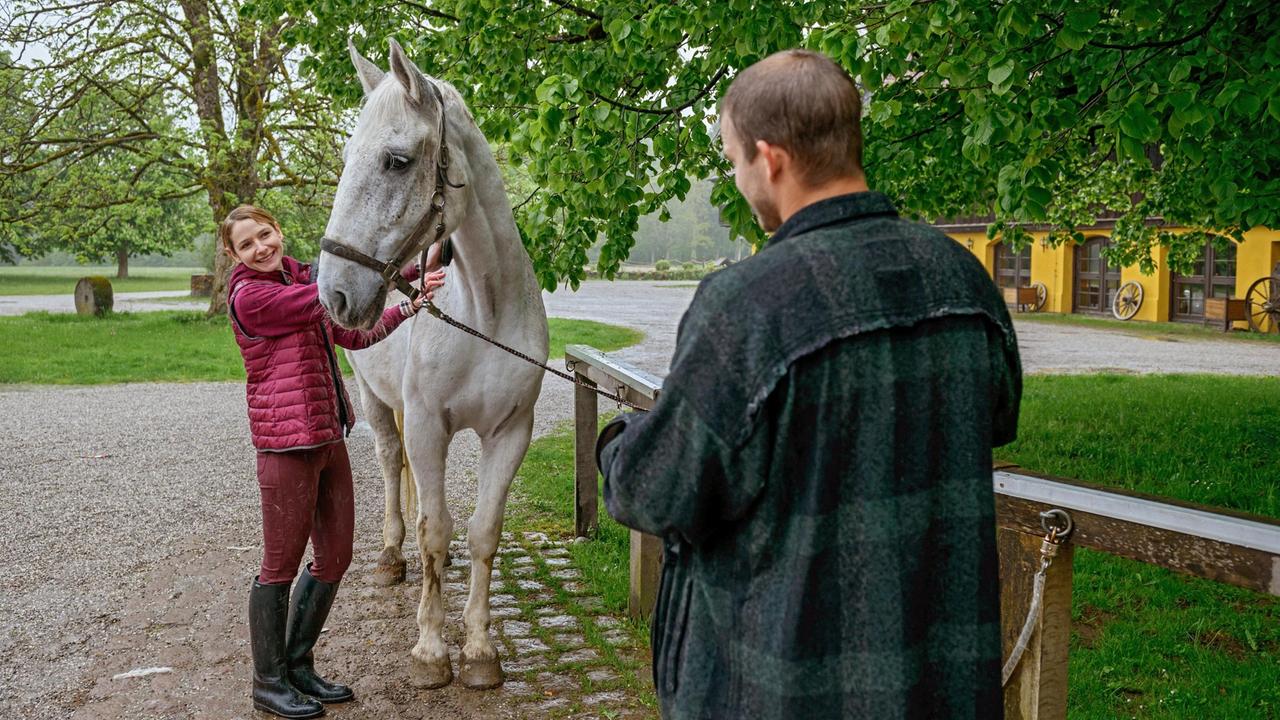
{"x":427,"y":444}
{"x":500,"y":458}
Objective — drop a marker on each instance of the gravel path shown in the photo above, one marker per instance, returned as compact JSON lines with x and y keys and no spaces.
{"x":130,"y":523}
{"x":110,"y":492}
{"x":1052,"y":348}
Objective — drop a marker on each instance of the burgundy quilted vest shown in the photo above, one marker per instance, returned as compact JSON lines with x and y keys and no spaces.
{"x":293,"y":382}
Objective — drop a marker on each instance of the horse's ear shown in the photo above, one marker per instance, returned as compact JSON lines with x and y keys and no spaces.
{"x":370,"y":75}
{"x":406,"y":72}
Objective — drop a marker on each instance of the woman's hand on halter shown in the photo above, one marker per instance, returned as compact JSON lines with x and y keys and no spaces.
{"x":431,"y":282}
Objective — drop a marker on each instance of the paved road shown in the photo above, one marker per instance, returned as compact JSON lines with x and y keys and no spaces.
{"x":656,"y":309}
{"x":121,"y":302}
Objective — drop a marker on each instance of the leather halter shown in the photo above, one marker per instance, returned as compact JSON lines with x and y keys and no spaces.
{"x":390,"y":270}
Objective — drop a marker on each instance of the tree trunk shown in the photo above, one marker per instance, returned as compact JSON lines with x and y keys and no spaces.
{"x":122,"y":261}
{"x":221,"y":272}
{"x":221,"y":203}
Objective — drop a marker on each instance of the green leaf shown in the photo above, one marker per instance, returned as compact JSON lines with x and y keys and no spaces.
{"x":999,"y":75}
{"x":1247,"y":104}
{"x":1069,"y":39}
{"x":1181,"y":71}
{"x":1139,"y":124}
{"x":1082,"y":20}
{"x":1182,"y":99}
{"x":1228,"y":94}
{"x":551,"y":118}
{"x":549,"y":91}
{"x":1223,"y":189}
{"x":1040,"y":195}
{"x":1130,"y":147}
{"x":1273,"y":106}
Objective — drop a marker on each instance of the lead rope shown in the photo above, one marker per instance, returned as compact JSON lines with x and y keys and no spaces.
{"x":1055,"y":535}
{"x":442,"y":315}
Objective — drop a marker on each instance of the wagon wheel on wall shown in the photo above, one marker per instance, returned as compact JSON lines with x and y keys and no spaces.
{"x":1262,"y":304}
{"x":1042,"y":294}
{"x":1127,"y":301}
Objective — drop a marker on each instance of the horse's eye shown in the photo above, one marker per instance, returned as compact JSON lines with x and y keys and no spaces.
{"x":392,"y":161}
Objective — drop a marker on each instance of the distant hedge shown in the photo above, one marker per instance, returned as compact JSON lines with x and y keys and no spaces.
{"x":665,"y":271}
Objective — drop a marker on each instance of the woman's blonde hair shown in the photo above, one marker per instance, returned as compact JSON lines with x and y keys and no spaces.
{"x":244,"y":212}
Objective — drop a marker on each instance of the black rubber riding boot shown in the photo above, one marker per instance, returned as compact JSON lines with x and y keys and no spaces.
{"x":268,"y":611}
{"x":312,"y":599}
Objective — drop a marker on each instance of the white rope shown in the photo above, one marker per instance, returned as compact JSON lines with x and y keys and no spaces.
{"x":1029,"y":627}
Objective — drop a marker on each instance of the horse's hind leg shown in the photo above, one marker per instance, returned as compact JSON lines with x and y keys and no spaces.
{"x":390,"y":450}
{"x":500,"y":458}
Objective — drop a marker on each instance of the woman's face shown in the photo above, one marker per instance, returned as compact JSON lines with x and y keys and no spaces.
{"x":258,"y":245}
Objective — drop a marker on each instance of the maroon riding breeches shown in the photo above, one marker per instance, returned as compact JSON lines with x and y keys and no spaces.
{"x":306,"y":493}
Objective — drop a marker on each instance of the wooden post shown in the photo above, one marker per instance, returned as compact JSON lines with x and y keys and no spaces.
{"x":586,"y":511}
{"x":646,"y":566}
{"x":1038,"y":688}
{"x":642,"y":389}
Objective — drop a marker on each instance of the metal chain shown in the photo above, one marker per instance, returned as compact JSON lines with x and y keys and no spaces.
{"x":441,"y":315}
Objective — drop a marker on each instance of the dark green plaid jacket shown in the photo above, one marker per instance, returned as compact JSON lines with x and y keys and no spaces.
{"x":819,"y":465}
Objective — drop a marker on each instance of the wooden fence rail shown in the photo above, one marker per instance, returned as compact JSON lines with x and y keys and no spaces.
{"x":1211,"y":543}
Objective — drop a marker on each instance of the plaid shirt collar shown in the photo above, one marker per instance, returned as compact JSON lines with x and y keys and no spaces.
{"x":835,"y":211}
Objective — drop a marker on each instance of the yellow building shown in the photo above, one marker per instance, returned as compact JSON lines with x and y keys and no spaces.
{"x":1078,"y":280}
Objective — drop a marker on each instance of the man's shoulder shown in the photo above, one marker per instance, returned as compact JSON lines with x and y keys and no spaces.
{"x":856,"y":247}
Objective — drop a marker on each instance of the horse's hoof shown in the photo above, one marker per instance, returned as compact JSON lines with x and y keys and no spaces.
{"x":390,"y":569}
{"x":387,"y":575}
{"x":480,"y":674}
{"x":430,"y":676}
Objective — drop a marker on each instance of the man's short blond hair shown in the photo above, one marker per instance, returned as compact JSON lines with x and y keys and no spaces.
{"x":802,"y":101}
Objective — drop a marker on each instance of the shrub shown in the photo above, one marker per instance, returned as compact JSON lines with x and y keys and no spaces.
{"x":662,"y":265}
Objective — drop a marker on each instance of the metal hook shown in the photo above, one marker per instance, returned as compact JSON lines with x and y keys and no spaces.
{"x":1057,"y":523}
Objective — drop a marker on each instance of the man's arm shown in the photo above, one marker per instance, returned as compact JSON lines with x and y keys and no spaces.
{"x":1006,"y":380}
{"x":666,"y":471}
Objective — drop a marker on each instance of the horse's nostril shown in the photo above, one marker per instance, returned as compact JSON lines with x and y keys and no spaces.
{"x":338,"y":304}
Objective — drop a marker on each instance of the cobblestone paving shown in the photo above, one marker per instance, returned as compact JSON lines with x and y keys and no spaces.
{"x":564,"y":656}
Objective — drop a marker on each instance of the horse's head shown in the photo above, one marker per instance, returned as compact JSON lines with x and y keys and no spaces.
{"x":391,"y":181}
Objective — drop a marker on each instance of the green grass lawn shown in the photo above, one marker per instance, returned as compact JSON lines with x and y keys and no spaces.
{"x":1175,"y":330}
{"x":30,"y":280}
{"x":174,"y":346}
{"x":1146,"y":643}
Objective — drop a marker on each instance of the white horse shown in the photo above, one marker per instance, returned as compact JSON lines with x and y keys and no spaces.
{"x":440,"y":378}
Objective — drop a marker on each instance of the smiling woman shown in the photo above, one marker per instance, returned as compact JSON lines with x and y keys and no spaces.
{"x":253,"y":237}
